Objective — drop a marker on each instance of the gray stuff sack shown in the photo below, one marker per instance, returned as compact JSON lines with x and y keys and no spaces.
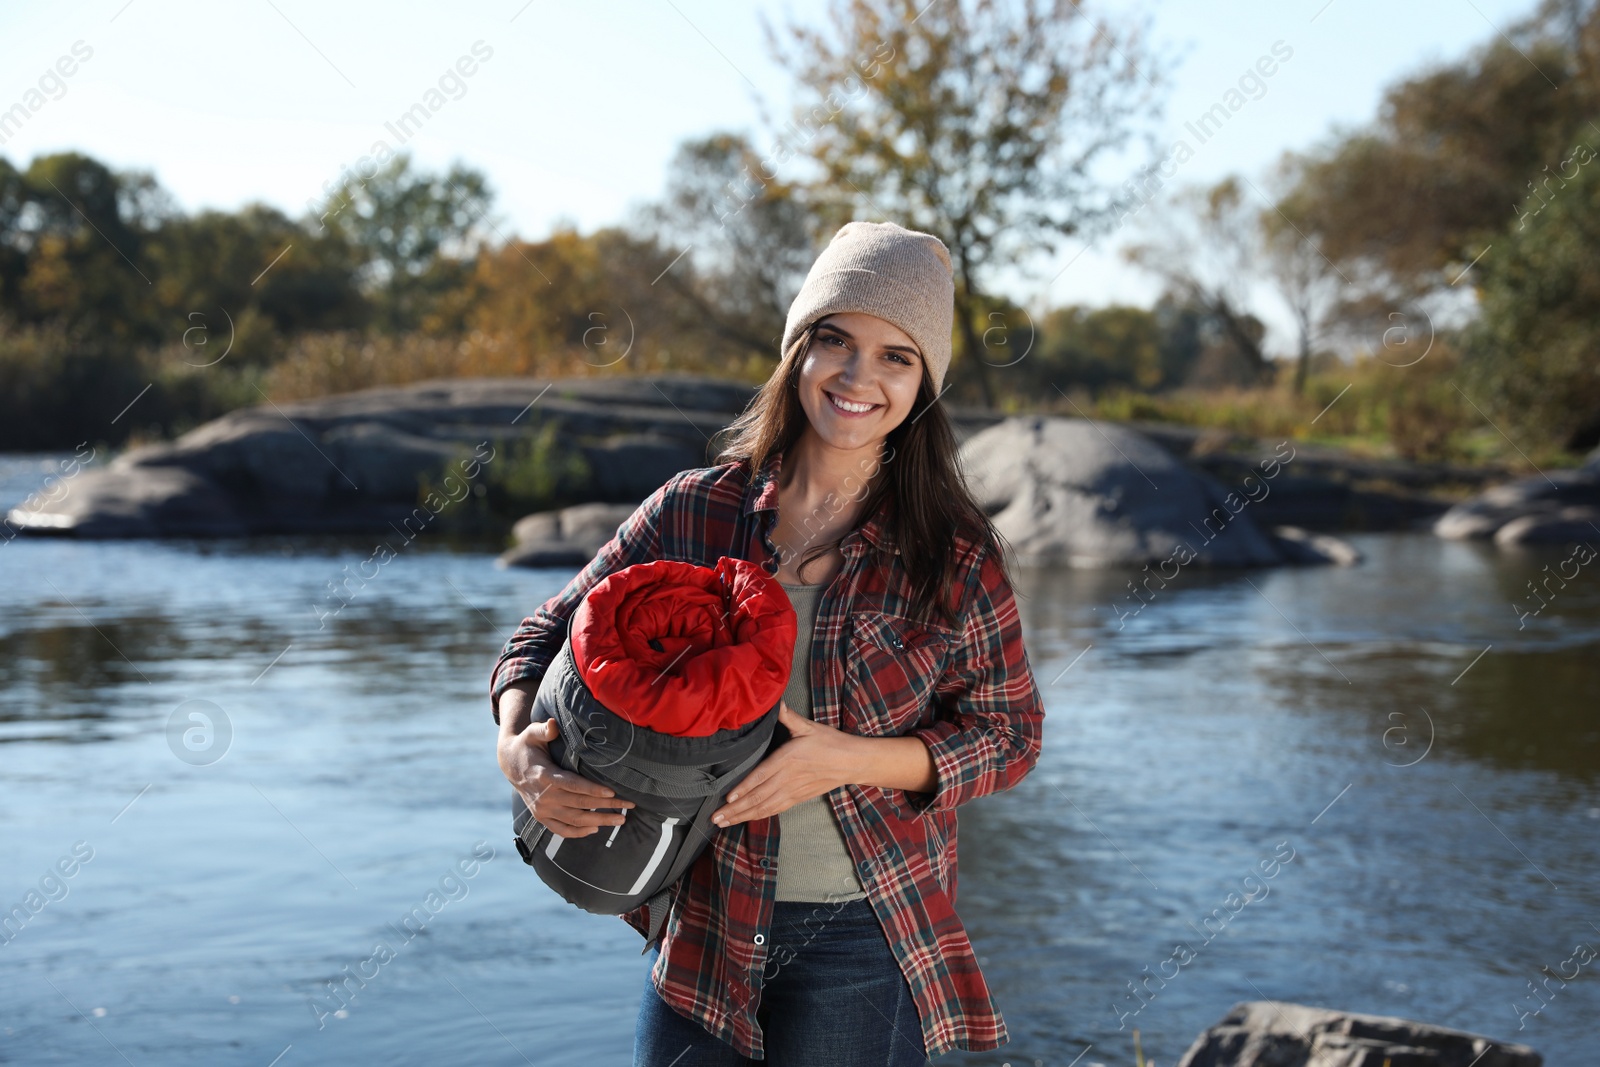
{"x":675,"y":783}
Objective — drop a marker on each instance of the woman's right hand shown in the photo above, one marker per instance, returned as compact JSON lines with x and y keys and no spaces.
{"x":566,"y":802}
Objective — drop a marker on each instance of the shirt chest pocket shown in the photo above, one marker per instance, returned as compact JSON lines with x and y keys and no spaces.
{"x":892,"y":666}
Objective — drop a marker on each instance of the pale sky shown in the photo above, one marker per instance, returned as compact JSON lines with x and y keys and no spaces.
{"x":576,"y":109}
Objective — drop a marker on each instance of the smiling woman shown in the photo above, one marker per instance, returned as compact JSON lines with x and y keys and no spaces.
{"x":910,"y":694}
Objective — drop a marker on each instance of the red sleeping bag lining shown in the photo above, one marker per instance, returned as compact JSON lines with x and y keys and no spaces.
{"x":683,"y":649}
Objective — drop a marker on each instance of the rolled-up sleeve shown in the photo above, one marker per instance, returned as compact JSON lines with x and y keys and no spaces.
{"x":989,"y":727}
{"x":538,"y":638}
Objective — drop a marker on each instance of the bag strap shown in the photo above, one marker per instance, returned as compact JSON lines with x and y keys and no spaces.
{"x":680,"y":783}
{"x":660,"y":905}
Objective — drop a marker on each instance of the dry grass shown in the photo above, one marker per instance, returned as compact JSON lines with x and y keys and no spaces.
{"x":326,"y":363}
{"x":1369,"y":408}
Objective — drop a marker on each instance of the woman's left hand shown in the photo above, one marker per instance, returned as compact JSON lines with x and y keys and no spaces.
{"x":814,"y":761}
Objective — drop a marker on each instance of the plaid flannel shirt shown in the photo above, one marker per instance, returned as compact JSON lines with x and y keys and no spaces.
{"x":968,"y":692}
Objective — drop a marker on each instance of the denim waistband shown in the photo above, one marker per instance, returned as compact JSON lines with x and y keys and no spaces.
{"x":794,"y":912}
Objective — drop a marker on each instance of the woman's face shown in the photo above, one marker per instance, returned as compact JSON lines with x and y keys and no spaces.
{"x":870,"y":365}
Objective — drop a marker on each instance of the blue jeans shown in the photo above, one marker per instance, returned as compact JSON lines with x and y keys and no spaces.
{"x":833,"y":997}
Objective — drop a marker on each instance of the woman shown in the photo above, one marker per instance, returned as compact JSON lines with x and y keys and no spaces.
{"x":819,"y":927}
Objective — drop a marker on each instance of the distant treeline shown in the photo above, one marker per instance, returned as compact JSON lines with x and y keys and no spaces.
{"x":1438,"y":266}
{"x":106,"y":289}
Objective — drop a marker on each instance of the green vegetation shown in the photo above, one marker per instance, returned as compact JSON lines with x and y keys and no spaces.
{"x":1535,"y":349}
{"x":537,"y":473}
{"x":484,"y":490}
{"x":1480,"y":173}
{"x":1368,"y":407}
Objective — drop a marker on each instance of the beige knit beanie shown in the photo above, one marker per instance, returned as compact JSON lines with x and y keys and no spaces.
{"x":901,"y":276}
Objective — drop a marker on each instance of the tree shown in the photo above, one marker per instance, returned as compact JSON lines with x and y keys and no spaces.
{"x":749,"y":245}
{"x":1455,"y":154}
{"x":1305,"y":279}
{"x":420,"y":232}
{"x":1099,"y":347}
{"x":255,"y":264}
{"x":968,"y":121}
{"x":72,"y":221}
{"x":14,"y":237}
{"x":578,"y":304}
{"x":1533,"y":355}
{"x":1207,"y":252}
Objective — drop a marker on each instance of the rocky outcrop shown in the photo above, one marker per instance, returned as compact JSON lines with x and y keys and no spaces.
{"x":1328,"y":488}
{"x":1270,"y":1033}
{"x":1556,"y":508}
{"x":1076,"y":493}
{"x":1068,"y":491}
{"x":153,"y":502}
{"x":566,"y":538}
{"x":1552,"y":528}
{"x":356,"y":462}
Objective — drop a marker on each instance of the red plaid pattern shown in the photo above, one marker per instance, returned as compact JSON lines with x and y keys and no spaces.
{"x":967,"y":691}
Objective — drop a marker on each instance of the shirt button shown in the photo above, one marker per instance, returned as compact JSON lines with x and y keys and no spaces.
{"x":760,"y":939}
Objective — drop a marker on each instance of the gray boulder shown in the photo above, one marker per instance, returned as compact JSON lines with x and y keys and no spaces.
{"x":569,"y":537}
{"x":1550,"y":528}
{"x":1303,"y":546}
{"x":1270,"y":1033}
{"x":1075,"y":493}
{"x":1537,"y":496}
{"x":154,"y":502}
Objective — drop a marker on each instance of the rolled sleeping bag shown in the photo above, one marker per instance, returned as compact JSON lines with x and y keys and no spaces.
{"x":666,"y":690}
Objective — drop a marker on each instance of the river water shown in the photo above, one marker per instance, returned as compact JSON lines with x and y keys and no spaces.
{"x":1416,"y":766}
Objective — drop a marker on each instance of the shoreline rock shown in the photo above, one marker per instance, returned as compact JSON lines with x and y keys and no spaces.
{"x":1271,"y":1033}
{"x":1560,"y":507}
{"x":1075,"y":493}
{"x":568,"y":537}
{"x":1303,"y":546}
{"x":1327,"y":488}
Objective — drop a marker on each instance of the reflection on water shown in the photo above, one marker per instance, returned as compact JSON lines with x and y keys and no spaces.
{"x":1458,"y":855}
{"x":1434,"y":769}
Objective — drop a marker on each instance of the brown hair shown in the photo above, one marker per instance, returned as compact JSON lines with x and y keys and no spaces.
{"x":925,"y":496}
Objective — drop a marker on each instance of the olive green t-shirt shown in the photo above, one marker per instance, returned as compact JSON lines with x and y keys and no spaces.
{"x":813,"y":861}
